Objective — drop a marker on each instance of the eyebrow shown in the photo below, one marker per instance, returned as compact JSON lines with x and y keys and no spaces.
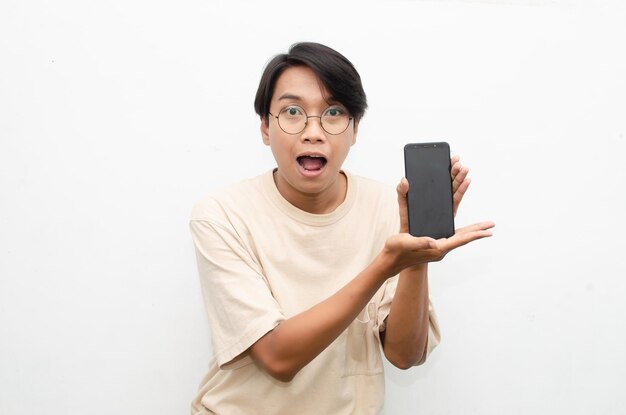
{"x":287,"y":96}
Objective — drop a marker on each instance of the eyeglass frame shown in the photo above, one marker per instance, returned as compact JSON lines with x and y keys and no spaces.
{"x":306,"y":122}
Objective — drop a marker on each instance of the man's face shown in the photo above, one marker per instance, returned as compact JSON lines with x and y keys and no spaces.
{"x":308,"y":162}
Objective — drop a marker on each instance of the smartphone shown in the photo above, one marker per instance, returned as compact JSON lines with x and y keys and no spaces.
{"x":427,"y":168}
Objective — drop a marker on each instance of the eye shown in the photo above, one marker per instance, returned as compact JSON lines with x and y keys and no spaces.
{"x":335,"y":111}
{"x":292,"y":111}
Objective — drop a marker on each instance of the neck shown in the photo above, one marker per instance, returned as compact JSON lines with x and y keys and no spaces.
{"x":320,"y":203}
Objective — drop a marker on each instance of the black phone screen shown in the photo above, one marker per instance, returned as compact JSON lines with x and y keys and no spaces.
{"x":427,"y":168}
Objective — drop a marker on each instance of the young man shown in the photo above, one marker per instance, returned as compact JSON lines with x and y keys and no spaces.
{"x":308,"y":271}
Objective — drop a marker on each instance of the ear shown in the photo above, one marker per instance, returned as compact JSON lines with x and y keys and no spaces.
{"x":355,"y":132}
{"x":265,"y":130}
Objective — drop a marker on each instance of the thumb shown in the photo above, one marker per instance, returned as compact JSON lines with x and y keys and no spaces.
{"x":403,"y":189}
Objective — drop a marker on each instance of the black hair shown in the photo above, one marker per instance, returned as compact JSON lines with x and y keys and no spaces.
{"x":336,"y":73}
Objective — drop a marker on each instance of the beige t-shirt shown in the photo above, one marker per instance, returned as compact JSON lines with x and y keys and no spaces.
{"x":262,"y":260}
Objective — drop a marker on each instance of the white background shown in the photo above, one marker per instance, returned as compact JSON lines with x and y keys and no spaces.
{"x":115,"y":117}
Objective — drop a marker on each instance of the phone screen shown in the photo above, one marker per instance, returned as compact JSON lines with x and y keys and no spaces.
{"x":427,"y":168}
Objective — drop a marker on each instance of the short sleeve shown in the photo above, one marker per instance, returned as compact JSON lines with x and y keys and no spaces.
{"x":238,"y":300}
{"x":434,"y":334}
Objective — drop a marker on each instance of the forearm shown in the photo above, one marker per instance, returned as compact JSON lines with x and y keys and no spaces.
{"x":407,"y":325}
{"x":296,"y":341}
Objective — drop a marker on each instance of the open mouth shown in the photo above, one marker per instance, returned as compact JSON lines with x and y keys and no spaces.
{"x":312,"y":163}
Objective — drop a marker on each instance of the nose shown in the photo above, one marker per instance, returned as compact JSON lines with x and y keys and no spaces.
{"x":313,"y":131}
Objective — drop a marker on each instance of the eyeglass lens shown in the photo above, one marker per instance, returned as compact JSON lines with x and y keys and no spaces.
{"x":293,"y":119}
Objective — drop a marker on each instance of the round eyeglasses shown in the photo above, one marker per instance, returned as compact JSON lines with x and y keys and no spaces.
{"x":293,"y":119}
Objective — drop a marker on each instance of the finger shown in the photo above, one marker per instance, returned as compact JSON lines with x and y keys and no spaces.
{"x":461,"y":239}
{"x":402,"y":189}
{"x":406,"y":242}
{"x":459,"y":193}
{"x":454,"y":159}
{"x":467,"y":237}
{"x":455,"y":162}
{"x":421,"y":243}
{"x":480,"y":226}
{"x":459,"y":178}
